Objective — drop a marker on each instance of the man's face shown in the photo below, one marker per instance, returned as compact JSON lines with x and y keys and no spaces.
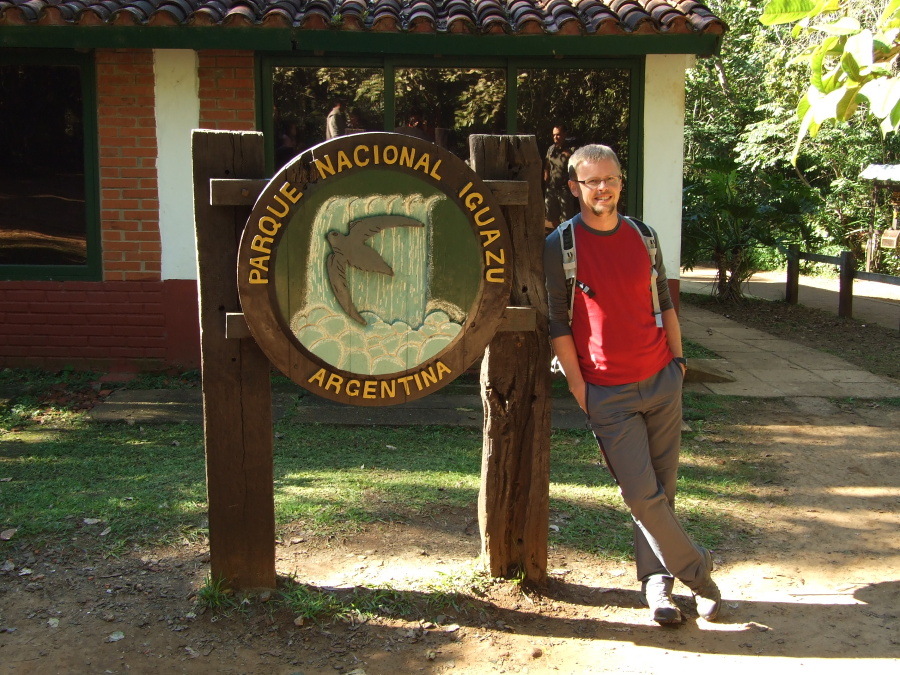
{"x":558,"y":136}
{"x":602,"y":200}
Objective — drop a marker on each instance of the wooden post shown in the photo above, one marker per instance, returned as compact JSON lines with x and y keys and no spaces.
{"x":845,"y":291}
{"x":513,"y":505}
{"x":792,"y":289}
{"x":237,"y":396}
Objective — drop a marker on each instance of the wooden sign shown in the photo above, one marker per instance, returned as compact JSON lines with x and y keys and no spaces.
{"x":374,"y":268}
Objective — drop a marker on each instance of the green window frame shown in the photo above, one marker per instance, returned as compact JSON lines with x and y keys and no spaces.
{"x":91,"y":270}
{"x":267,"y":62}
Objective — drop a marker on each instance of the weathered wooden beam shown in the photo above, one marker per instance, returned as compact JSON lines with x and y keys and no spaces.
{"x":509,"y":192}
{"x":235,"y":191}
{"x":237,"y":396}
{"x":243,"y":192}
{"x":513,"y":504}
{"x":236,"y":327}
{"x":518,"y":319}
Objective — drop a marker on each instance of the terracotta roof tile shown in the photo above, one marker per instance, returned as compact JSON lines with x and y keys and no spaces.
{"x":431,"y":16}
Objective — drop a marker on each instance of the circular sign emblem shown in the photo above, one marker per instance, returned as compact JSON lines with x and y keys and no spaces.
{"x":374,"y":268}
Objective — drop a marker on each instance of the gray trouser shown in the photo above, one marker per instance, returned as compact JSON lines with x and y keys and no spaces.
{"x":638,"y":427}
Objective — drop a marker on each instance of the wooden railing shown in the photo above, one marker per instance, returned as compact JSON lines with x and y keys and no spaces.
{"x":846,"y":262}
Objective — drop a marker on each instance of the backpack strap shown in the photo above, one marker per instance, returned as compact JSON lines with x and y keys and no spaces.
{"x":569,"y":262}
{"x":649,"y":237}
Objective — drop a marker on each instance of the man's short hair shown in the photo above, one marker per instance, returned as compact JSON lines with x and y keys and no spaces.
{"x":562,"y":127}
{"x":591,"y":153}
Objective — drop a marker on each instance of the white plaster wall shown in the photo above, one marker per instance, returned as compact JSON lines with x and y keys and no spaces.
{"x":177,"y":114}
{"x":664,"y":151}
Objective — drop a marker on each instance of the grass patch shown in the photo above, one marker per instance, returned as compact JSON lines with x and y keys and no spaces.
{"x":118,"y":485}
{"x":692,"y":350}
{"x":355,"y":605}
{"x":113,"y":487}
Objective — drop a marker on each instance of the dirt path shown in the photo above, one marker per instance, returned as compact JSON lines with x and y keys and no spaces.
{"x":815,"y":587}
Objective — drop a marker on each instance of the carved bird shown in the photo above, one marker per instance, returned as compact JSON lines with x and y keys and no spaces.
{"x":351,"y":249}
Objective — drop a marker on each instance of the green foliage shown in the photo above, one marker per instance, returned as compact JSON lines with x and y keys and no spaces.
{"x":747,"y":194}
{"x":851,"y":52}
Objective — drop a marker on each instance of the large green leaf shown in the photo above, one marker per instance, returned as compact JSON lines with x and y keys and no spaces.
{"x":861,"y":47}
{"x":893,"y":120}
{"x":846,"y":25}
{"x":850,"y":66}
{"x":808,"y":123}
{"x":826,"y":107}
{"x":883,"y":95}
{"x":847,"y":105}
{"x":889,"y":13}
{"x":786,"y":11}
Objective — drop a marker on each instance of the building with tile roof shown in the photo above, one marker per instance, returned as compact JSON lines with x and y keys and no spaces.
{"x":97,"y":260}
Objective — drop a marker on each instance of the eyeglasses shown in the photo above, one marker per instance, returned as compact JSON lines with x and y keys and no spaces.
{"x":596,"y":183}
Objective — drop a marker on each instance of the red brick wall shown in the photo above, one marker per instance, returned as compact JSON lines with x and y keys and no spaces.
{"x":227,"y":90}
{"x":129,"y":201}
{"x":86,"y":324}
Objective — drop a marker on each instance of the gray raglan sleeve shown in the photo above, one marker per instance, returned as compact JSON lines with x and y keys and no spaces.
{"x":662,"y":283}
{"x":557,"y":298}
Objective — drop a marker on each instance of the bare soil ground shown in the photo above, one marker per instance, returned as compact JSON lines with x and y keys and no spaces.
{"x":810,"y":583}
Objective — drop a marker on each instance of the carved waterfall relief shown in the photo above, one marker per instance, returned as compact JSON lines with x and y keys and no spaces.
{"x":368,"y":307}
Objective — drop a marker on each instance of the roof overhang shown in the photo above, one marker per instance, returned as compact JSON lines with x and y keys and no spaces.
{"x":347,"y":42}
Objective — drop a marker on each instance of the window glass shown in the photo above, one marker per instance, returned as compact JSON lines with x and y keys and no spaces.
{"x":446,"y":105}
{"x":593,"y":104}
{"x":43,"y":217}
{"x":307,"y":100}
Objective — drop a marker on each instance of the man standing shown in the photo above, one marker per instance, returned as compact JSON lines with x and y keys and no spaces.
{"x":558,"y":202}
{"x":336,"y":122}
{"x":626,"y":372}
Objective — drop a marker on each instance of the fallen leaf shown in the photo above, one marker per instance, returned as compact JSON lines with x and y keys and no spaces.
{"x":115,"y":637}
{"x":106,"y":532}
{"x":193,"y":653}
{"x":5,"y":480}
{"x":6,"y":535}
{"x":91,"y":521}
{"x":24,"y":572}
{"x":7,"y":566}
{"x":53,"y":623}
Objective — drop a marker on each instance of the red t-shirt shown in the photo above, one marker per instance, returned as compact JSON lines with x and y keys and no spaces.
{"x":615,"y":332}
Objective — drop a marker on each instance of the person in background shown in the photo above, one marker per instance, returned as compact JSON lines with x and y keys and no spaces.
{"x":558,"y":202}
{"x":336,"y":122}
